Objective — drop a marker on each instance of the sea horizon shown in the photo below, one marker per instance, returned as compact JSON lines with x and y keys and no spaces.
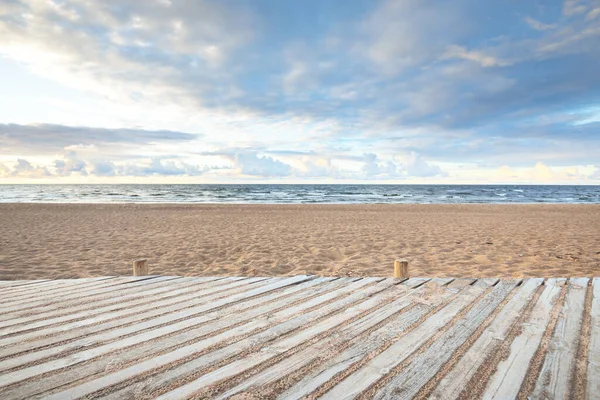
{"x":304,"y":193}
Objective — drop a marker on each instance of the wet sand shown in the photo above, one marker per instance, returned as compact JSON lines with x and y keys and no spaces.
{"x":67,"y":241}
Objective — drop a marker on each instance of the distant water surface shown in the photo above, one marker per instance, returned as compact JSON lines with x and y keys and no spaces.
{"x":298,"y":194}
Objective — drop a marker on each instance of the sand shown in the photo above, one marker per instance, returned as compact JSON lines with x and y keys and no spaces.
{"x":39,"y":241}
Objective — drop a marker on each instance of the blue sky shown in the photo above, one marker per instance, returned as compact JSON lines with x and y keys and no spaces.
{"x":307,"y":91}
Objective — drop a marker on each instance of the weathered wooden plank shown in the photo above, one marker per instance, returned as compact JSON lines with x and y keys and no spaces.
{"x":593,"y":370}
{"x":557,"y":371}
{"x":414,"y":282}
{"x":85,"y":295}
{"x":125,"y":303}
{"x":65,"y":289}
{"x":280,"y":346}
{"x":345,"y":334}
{"x":66,"y":308}
{"x":164,"y":314}
{"x":18,"y":282}
{"x":456,"y":380}
{"x":108,"y":335}
{"x":204,"y":340}
{"x":71,"y":286}
{"x":228,"y":318}
{"x":250,"y":314}
{"x":23,"y":286}
{"x":73,"y":359}
{"x":378,"y":367}
{"x":442,"y":281}
{"x":63,"y":305}
{"x":36,"y":286}
{"x":25,"y":291}
{"x":410,"y":380}
{"x":486,"y":282}
{"x":393,"y":330}
{"x":508,"y":378}
{"x":277,"y":325}
{"x":458,"y":284}
{"x":178,"y":299}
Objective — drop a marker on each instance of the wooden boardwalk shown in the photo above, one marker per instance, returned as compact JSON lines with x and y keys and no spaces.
{"x":297,"y":337}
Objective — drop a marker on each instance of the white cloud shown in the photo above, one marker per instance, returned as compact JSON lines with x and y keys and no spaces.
{"x":103,"y":168}
{"x":4,"y":171}
{"x":574,"y":7}
{"x":70,"y":164}
{"x":454,"y":51}
{"x":339,"y":94}
{"x":297,"y":75}
{"x":406,"y":33}
{"x":413,"y":166}
{"x":157,"y":166}
{"x":538,"y":25}
{"x":317,"y":167}
{"x":137,"y":49}
{"x":24,"y":169}
{"x":542,"y":173}
{"x":250,"y":163}
{"x":418,"y":167}
{"x":375,"y":168}
{"x":593,"y":14}
{"x":50,"y":138}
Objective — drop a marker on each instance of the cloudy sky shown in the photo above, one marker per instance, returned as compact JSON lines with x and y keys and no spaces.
{"x":416,"y":91}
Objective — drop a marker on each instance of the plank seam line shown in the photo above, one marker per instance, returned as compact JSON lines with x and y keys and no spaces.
{"x":109,"y":304}
{"x":66,"y":284}
{"x":234,"y":339}
{"x":427,"y":388}
{"x":325,"y":387}
{"x":536,"y":362}
{"x":239,"y":289}
{"x":211,"y":321}
{"x":207,"y":298}
{"x":579,"y":389}
{"x":91,"y":360}
{"x":479,"y":381}
{"x":333,"y":345}
{"x":12,"y":297}
{"x":143,"y":279}
{"x":369,"y":392}
{"x":225,"y":293}
{"x":315,"y":341}
{"x":46,"y":297}
{"x":64,"y":305}
{"x":257,"y":348}
{"x":110,"y":291}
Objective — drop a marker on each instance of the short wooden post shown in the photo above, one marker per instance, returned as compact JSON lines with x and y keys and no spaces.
{"x":140,"y":267}
{"x":400,"y":269}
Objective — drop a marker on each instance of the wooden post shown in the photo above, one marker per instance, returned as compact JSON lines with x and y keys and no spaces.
{"x":140,"y":267}
{"x":400,"y":269}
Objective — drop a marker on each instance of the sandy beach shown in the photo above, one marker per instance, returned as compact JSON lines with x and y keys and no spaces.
{"x":67,"y":241}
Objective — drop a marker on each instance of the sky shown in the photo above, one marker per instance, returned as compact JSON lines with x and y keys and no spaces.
{"x":312,"y":91}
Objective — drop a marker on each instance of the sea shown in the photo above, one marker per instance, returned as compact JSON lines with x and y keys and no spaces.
{"x":300,"y":194}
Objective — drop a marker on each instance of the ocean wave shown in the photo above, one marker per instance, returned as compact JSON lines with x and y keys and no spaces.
{"x":282,"y":194}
